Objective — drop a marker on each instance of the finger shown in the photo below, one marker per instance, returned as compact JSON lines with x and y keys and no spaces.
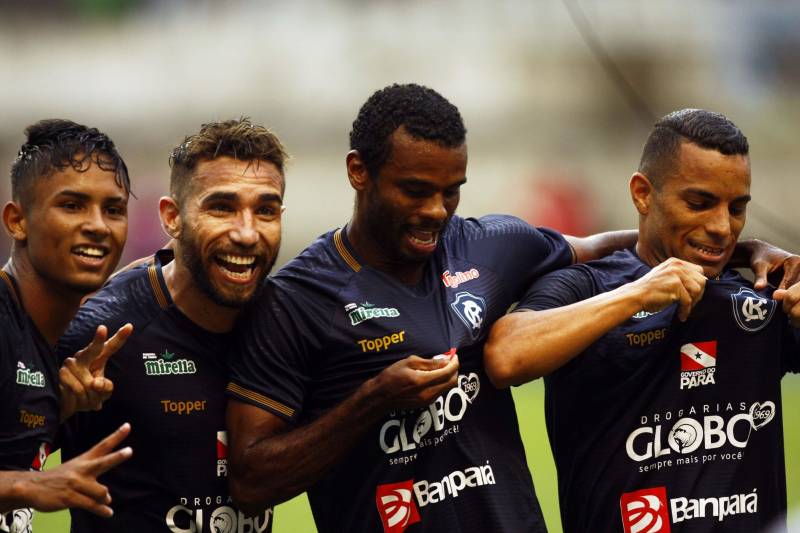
{"x":72,"y":384}
{"x":94,"y":348}
{"x":81,"y":501}
{"x":110,"y":347}
{"x":421,"y":363}
{"x":80,"y":375}
{"x":107,"y":462}
{"x":791,"y":273}
{"x":760,"y":271}
{"x":684,"y":304}
{"x":109,"y":443}
{"x":440,"y":375}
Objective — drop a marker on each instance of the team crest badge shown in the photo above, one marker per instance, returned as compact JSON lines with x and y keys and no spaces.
{"x":471,"y":310}
{"x":751,"y":311}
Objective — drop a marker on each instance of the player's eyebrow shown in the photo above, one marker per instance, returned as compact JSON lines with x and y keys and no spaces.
{"x":74,"y":194}
{"x":710,"y":196}
{"x":228,"y":196}
{"x":419,"y":182}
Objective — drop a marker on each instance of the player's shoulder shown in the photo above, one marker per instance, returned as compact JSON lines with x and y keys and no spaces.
{"x":324,"y":266}
{"x":11,"y":313}
{"x":134,"y":296}
{"x":487,"y":226}
{"x":620,"y":267}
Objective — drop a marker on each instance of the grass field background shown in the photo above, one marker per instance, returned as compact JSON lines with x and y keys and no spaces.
{"x":295,"y":515}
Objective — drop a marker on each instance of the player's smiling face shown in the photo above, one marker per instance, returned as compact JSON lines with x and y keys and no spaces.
{"x":700,"y":210}
{"x":231,"y":227}
{"x":76,"y":226}
{"x":409,"y":203}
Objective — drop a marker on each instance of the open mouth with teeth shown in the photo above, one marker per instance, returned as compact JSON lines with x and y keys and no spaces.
{"x":711,"y":254}
{"x":238,"y":268}
{"x":89,"y":254}
{"x":423,"y":241}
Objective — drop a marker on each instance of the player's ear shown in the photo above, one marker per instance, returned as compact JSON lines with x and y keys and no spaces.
{"x":356,"y":171}
{"x":641,"y":192}
{"x":170,"y":214}
{"x":15,"y":222}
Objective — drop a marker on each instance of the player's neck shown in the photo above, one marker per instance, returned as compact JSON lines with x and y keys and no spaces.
{"x":194,"y":303}
{"x":50,"y":305}
{"x":372,"y":252}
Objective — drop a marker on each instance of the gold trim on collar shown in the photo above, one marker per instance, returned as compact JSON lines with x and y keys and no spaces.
{"x":344,"y":252}
{"x":152,"y":273}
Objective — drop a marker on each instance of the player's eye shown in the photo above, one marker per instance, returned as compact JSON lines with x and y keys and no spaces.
{"x":220,"y":208}
{"x":70,"y":206}
{"x":116,"y":210}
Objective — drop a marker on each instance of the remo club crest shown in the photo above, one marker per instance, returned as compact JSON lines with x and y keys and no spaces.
{"x":751,"y":311}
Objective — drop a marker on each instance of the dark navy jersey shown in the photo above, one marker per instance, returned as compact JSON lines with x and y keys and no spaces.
{"x":667,"y":426}
{"x":169,"y":383}
{"x":29,"y":407}
{"x":329,"y":323}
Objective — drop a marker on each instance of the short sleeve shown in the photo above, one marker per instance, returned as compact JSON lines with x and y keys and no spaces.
{"x":271,"y":363}
{"x":557,"y":289}
{"x":518,"y":252}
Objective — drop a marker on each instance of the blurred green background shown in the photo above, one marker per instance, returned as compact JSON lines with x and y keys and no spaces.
{"x":295,"y":515}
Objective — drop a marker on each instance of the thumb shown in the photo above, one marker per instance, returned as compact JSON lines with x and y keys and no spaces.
{"x":779,"y":294}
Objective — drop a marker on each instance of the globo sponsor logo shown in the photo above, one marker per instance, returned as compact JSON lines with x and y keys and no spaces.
{"x":193,"y":515}
{"x":406,"y":432}
{"x":689,"y":434}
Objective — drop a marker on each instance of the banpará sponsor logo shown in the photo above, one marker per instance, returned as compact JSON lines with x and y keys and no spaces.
{"x":166,"y":364}
{"x":32,"y":420}
{"x":367,"y":311}
{"x":183,"y":407}
{"x":398,"y":502}
{"x":412,"y":429}
{"x":723,"y":427}
{"x":646,"y":338}
{"x":213,"y":514}
{"x":381,"y":343}
{"x":29,"y":377}
{"x":644,"y":510}
{"x":452,"y":281}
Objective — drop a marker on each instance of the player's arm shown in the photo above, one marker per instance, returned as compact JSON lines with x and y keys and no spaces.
{"x":272,"y":461}
{"x":72,"y":484}
{"x":526,"y":345}
{"x":601,"y":244}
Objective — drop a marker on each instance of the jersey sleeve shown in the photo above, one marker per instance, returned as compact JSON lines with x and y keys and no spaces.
{"x":557,"y":289}
{"x":271,"y":363}
{"x":515,"y":250}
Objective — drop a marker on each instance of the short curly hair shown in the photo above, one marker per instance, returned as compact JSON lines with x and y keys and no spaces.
{"x":421,"y":111}
{"x":706,"y":129}
{"x":236,"y":138}
{"x":54,"y":144}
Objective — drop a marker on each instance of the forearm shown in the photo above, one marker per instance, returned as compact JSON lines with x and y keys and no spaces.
{"x":601,"y":244}
{"x":524,"y":346}
{"x":15,"y":488}
{"x":278,"y":467}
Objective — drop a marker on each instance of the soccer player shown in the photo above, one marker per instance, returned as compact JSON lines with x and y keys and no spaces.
{"x":68,"y":220}
{"x":662,"y":365}
{"x":224,"y":214}
{"x":325,"y":393}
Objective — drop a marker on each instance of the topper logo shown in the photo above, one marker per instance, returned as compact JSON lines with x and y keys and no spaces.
{"x":396,"y":506}
{"x":645,"y":511}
